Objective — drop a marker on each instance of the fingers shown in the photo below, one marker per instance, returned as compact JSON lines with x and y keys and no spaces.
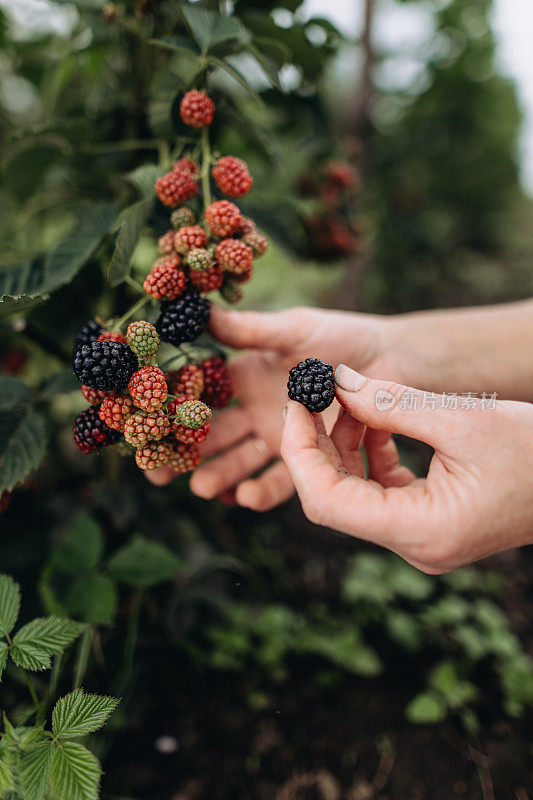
{"x":347,"y":435}
{"x":161,"y":476}
{"x":383,"y":405}
{"x":345,"y":502}
{"x":384,"y":460}
{"x":230,"y":468}
{"x":247,"y":329}
{"x":227,"y":428}
{"x":269,"y":490}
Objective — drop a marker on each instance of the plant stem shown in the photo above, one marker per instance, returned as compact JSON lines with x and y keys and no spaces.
{"x":130,"y":644}
{"x":32,"y":691}
{"x":52,"y":688}
{"x":82,"y":659}
{"x":206,"y":163}
{"x":131,"y":311}
{"x":134,"y":284}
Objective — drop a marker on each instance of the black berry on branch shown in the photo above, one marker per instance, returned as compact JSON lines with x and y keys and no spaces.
{"x":311,"y":383}
{"x":184,"y":319}
{"x":89,"y":333}
{"x":105,"y":365}
{"x":90,"y":433}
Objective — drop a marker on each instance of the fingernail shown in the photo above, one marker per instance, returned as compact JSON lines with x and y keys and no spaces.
{"x":348,"y":379}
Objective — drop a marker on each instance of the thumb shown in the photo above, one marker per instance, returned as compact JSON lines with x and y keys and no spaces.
{"x":248,"y":329}
{"x":383,"y":405}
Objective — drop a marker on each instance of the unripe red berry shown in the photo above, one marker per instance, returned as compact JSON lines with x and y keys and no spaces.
{"x":114,"y":411}
{"x":189,"y":238}
{"x":223,"y":217}
{"x":187,"y":381}
{"x":165,"y":281}
{"x":218,"y":385}
{"x":154,"y":455}
{"x":197,"y":109}
{"x":232,"y":177}
{"x":95,"y":396}
{"x":234,"y":256}
{"x":148,"y":388}
{"x":112,"y":336}
{"x":165,"y":243}
{"x":176,"y":187}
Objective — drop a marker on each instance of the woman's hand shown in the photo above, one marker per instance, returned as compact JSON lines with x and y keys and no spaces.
{"x":476,"y":500}
{"x":245,"y":440}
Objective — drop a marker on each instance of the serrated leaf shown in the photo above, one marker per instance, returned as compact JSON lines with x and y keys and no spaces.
{"x":6,"y":778}
{"x":13,"y":392}
{"x":93,"y":598}
{"x":78,"y":714}
{"x":82,"y":547}
{"x":35,"y":770}
{"x":267,"y":66}
{"x":9,"y":604}
{"x":4,"y":650}
{"x":35,"y":643}
{"x":22,"y":445}
{"x":144,"y":177}
{"x":237,"y":76}
{"x":75,"y":773}
{"x":142,"y":563}
{"x":130,"y":225}
{"x":41,"y":278}
{"x":210,"y":29}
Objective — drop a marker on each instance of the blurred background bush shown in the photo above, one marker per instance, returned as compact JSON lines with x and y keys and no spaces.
{"x":259,"y":656}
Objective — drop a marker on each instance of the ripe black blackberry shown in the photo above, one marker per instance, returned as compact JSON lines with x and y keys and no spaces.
{"x":89,"y":333}
{"x":90,"y":433}
{"x":311,"y":383}
{"x":105,"y":365}
{"x":184,"y":319}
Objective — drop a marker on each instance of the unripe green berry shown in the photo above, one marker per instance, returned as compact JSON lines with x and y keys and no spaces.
{"x":142,"y":338}
{"x":193,"y":413}
{"x":181,"y":217}
{"x":200,"y":259}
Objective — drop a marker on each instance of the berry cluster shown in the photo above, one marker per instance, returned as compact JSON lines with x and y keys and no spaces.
{"x":209,"y":246}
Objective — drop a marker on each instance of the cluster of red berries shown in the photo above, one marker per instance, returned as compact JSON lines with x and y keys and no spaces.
{"x":133,"y":403}
{"x":216,"y":253}
{"x":142,"y":416}
{"x":332,"y":231}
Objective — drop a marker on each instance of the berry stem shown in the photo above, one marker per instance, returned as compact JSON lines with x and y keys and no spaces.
{"x":206,"y":163}
{"x":119,"y":324}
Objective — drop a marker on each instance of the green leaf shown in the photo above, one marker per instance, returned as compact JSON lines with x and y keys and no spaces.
{"x":36,"y":642}
{"x":130,"y":225}
{"x":6,"y":778}
{"x":457,"y":692}
{"x":93,"y":598}
{"x":144,"y":177}
{"x":13,"y":392}
{"x":9,"y":604}
{"x":61,"y":265}
{"x":4,"y":650}
{"x":268,"y":66}
{"x":75,"y":773}
{"x":426,"y":708}
{"x":78,"y":714}
{"x":142,"y":563}
{"x":237,"y":76}
{"x":210,"y":29}
{"x":81,"y":549}
{"x":35,"y":770}
{"x":22,"y":445}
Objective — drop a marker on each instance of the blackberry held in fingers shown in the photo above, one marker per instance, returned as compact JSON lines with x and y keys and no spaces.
{"x":311,"y":383}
